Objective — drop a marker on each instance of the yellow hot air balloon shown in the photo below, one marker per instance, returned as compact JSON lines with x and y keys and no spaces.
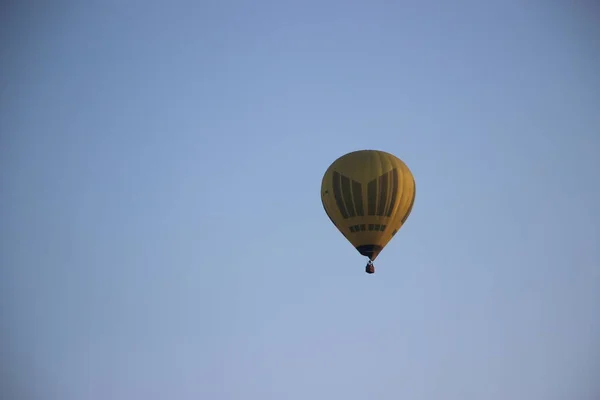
{"x":368,"y":195}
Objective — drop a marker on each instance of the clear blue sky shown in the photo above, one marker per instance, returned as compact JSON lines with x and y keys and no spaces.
{"x":162,"y":234}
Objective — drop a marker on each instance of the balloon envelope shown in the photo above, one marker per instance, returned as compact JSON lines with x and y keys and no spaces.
{"x":368,"y":195}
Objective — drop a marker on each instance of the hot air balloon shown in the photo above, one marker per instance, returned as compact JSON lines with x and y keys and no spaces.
{"x":368,"y":195}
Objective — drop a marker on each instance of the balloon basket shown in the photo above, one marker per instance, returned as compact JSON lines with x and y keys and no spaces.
{"x":370,"y":268}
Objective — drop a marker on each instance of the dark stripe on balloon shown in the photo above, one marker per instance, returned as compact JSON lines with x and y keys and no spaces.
{"x":358,"y":200}
{"x":347,"y":194}
{"x":337,"y":194}
{"x":383,"y":193}
{"x":372,"y":196}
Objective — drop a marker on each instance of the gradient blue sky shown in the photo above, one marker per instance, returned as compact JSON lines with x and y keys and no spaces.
{"x":162,"y":234}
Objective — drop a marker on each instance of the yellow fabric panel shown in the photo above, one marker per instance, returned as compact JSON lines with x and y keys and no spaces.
{"x":368,"y":195}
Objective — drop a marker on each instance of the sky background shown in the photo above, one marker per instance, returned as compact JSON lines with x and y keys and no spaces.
{"x":162,"y":234}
